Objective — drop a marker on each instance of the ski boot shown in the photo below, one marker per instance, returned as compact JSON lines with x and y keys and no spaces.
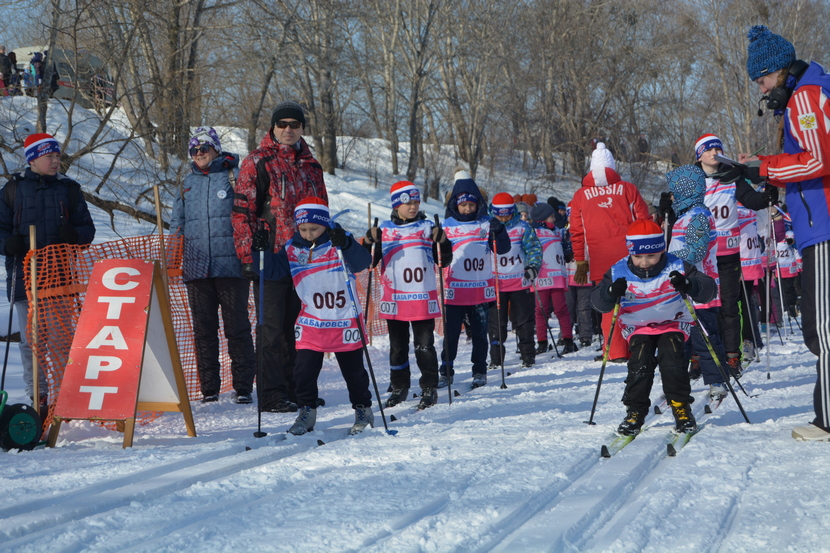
{"x":429,"y":397}
{"x":399,"y":395}
{"x":632,"y":423}
{"x":363,"y":417}
{"x":684,"y":420}
{"x":305,"y":421}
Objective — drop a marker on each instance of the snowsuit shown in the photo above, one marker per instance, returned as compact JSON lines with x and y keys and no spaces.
{"x":805,"y":172}
{"x":601,"y":212}
{"x":653,"y":318}
{"x":272,"y":180}
{"x":551,"y":284}
{"x":47,"y":202}
{"x":213,"y":274}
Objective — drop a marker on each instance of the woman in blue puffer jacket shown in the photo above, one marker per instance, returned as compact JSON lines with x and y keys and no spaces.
{"x":212,"y":271}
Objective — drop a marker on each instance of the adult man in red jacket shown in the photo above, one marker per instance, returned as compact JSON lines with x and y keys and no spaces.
{"x":601,"y":212}
{"x":272,"y":180}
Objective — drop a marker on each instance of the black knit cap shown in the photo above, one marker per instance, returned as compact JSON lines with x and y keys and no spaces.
{"x":288,"y":110}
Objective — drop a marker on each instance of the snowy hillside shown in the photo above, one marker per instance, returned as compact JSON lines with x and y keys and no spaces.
{"x":510,"y":470}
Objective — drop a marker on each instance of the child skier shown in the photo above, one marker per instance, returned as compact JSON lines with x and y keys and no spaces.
{"x":326,"y":322}
{"x":551,"y":282}
{"x":517,"y":269}
{"x":653,"y":318}
{"x":469,"y":283}
{"x":694,"y":239}
{"x":407,"y":254}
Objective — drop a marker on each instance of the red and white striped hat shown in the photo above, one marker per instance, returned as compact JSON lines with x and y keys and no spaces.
{"x":312,"y":210}
{"x":707,"y":142}
{"x":38,"y":145}
{"x":403,"y":192}
{"x":503,"y":205}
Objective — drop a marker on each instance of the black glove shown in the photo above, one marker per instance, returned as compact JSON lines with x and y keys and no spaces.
{"x":665,"y":203}
{"x":67,"y":234}
{"x":569,"y":257}
{"x":750,"y":172}
{"x":259,"y":243}
{"x":17,"y":246}
{"x":496,"y":226}
{"x":770,"y":194}
{"x":531,"y":272}
{"x":338,"y":238}
{"x":438,"y":235}
{"x":373,"y":235}
{"x":249,"y":272}
{"x":618,"y":288}
{"x":680,"y":282}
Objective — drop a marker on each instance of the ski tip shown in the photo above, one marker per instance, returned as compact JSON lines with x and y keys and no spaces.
{"x":247,"y":448}
{"x":321,"y":442}
{"x":393,"y":418}
{"x":414,"y":395}
{"x":707,"y":410}
{"x":321,"y":402}
{"x":670,"y":450}
{"x":456,"y":393}
{"x":657,"y":410}
{"x":508,"y":374}
{"x":604,"y":453}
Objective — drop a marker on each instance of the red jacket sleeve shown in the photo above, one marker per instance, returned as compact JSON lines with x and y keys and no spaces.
{"x":243,"y":215}
{"x":577,"y":227}
{"x":807,"y":113}
{"x":639,"y":207}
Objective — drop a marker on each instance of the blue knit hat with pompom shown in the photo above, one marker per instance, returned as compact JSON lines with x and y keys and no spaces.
{"x":767,"y":52}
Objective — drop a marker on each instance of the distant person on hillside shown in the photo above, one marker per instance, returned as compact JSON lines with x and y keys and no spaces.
{"x":5,"y":70}
{"x":55,"y":204}
{"x":33,"y":76}
{"x":212,"y":270}
{"x":601,"y":212}
{"x":647,"y":283}
{"x":273,"y":178}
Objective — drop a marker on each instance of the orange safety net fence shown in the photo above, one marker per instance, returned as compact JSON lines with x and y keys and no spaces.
{"x":63,"y":273}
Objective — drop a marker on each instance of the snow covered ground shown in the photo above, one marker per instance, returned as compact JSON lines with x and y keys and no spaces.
{"x":510,"y":470}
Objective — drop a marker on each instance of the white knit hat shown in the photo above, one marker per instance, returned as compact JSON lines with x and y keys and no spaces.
{"x":601,"y":159}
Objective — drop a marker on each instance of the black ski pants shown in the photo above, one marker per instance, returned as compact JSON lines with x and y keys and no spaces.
{"x":280,"y":310}
{"x":815,"y":319}
{"x":307,"y":371}
{"x":423,"y":337}
{"x":729,"y":271}
{"x":521,"y":304}
{"x":670,"y":357}
{"x":206,"y":296}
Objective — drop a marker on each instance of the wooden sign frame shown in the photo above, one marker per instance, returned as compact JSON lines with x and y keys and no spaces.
{"x":146,"y":377}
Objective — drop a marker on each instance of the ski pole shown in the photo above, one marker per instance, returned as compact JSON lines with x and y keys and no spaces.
{"x":605,"y":359}
{"x":443,"y":305}
{"x":260,"y":339}
{"x":9,"y":331}
{"x":723,"y":374}
{"x":500,"y":342}
{"x":371,"y":274}
{"x":362,"y":332}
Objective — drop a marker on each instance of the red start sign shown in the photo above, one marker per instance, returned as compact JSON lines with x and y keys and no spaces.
{"x":102,"y":378}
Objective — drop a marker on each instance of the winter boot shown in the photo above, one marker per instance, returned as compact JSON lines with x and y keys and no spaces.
{"x":694,"y":368}
{"x":733,"y":363}
{"x":210,"y":398}
{"x":363,"y":417}
{"x":444,"y":381}
{"x":528,"y":363}
{"x":717,"y":391}
{"x":429,"y":397}
{"x":748,"y":352}
{"x":684,"y":420}
{"x":479,"y":380}
{"x":399,"y":395}
{"x":632,"y":424}
{"x":305,"y":421}
{"x":279,"y":405}
{"x":542,"y":347}
{"x":585,"y":342}
{"x":568,"y":346}
{"x":244,"y":398}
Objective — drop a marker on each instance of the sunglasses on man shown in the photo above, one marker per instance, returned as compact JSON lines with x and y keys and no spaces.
{"x":203,"y":149}
{"x":292,"y":124}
